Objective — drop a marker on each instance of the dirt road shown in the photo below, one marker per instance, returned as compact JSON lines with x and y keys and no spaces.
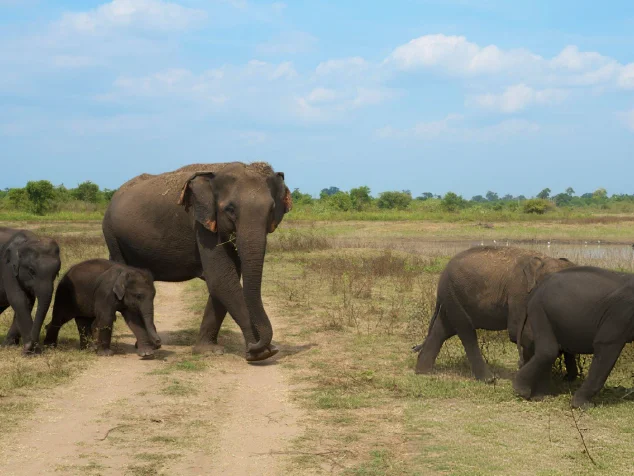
{"x":176,"y":414}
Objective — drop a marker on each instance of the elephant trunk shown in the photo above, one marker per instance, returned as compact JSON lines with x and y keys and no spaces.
{"x":44,"y":295}
{"x":147,"y":314}
{"x":251,"y":249}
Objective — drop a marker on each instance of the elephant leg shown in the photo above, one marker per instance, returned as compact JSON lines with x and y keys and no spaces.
{"x":479,"y":367}
{"x":13,"y":335}
{"x":605,"y":356}
{"x":572,"y":372}
{"x":60,"y":317}
{"x":25,"y":304}
{"x":534,"y":376}
{"x":102,"y":332}
{"x":144,"y":345}
{"x":215,"y":313}
{"x":83,"y":327}
{"x":438,"y":334}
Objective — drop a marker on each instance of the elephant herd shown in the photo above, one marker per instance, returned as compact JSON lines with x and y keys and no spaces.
{"x":211,"y":221}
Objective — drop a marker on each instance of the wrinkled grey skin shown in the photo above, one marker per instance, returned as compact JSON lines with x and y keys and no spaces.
{"x":92,"y":292}
{"x":28,"y":267}
{"x":180,"y":226}
{"x":583,"y":310}
{"x":485,"y":288}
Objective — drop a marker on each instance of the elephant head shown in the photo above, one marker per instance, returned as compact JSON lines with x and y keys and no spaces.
{"x":249,"y":201}
{"x":134,"y":291}
{"x":34,"y":263}
{"x":538,"y":268}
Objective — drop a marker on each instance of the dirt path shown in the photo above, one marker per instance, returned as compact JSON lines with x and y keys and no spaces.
{"x":174,"y":415}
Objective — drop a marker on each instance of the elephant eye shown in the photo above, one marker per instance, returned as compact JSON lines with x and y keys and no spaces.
{"x":230,"y":209}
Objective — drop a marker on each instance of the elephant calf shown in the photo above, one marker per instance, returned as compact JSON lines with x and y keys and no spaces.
{"x":585,"y":310}
{"x":29,"y":265}
{"x":485,"y":288}
{"x":92,"y":292}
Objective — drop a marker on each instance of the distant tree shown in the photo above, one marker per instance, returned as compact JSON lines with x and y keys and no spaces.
{"x":600,"y":194}
{"x":544,"y":194}
{"x":86,"y":192}
{"x":492,"y":196}
{"x":62,"y":194}
{"x":562,"y":199}
{"x":41,"y":194}
{"x":399,"y":200}
{"x":521,"y":198}
{"x":478,"y":199}
{"x":108,"y":193}
{"x":587,"y":196}
{"x":570,"y":191}
{"x":327,"y":192}
{"x":538,"y":206}
{"x":360,"y":197}
{"x":508,"y":197}
{"x":453,"y":202}
{"x":425,"y":196}
{"x":18,"y":198}
{"x":297,"y":196}
{"x":340,"y":201}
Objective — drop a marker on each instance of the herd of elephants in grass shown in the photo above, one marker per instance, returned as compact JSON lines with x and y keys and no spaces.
{"x":211,"y":221}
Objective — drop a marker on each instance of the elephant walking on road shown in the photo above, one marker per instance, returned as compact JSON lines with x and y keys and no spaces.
{"x":28,"y":267}
{"x":584,"y":310}
{"x":485,"y":288}
{"x":205,"y":221}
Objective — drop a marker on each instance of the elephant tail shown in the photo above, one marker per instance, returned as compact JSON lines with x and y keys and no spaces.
{"x":113,"y":245}
{"x":520,"y":331}
{"x":417,"y":348}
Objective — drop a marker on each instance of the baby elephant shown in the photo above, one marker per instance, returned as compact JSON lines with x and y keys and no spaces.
{"x":583,"y":310}
{"x":92,"y":292}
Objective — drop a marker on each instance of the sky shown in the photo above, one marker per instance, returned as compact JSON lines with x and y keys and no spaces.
{"x":421,"y":95}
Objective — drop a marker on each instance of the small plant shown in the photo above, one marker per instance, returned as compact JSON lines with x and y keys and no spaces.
{"x":537,"y":206}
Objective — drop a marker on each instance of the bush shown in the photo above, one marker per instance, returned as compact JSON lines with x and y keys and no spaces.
{"x":398,"y":200}
{"x":340,"y":201}
{"x":453,"y":202}
{"x":538,"y":206}
{"x":86,"y":192}
{"x":41,"y":195}
{"x":360,"y":198}
{"x":18,"y":198}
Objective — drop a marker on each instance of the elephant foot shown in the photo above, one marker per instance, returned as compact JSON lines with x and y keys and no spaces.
{"x":522,"y":390}
{"x":581,"y":402}
{"x":208,"y":348}
{"x":156,"y":345}
{"x":270,"y":351}
{"x":424,"y":369}
{"x":105,"y":352}
{"x":52,"y":344}
{"x":486,"y":377}
{"x":29,"y":350}
{"x":145,"y":354}
{"x":9,"y":342}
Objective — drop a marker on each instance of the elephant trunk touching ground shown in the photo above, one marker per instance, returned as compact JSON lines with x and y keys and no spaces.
{"x":147,"y":317}
{"x":44,"y":295}
{"x":251,"y":248}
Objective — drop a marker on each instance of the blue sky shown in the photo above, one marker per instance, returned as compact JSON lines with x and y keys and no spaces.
{"x":427,"y":95}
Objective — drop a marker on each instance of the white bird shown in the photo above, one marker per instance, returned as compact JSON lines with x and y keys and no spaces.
{"x":482,"y":243}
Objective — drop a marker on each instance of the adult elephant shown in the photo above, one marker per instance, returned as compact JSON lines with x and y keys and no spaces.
{"x":206,"y":221}
{"x":585,"y":310}
{"x":28,"y":267}
{"x":485,"y":288}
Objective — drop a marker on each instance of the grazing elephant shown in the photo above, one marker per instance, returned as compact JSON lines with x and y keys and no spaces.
{"x":484,"y":288}
{"x":28,"y":267}
{"x":92,"y":292}
{"x":208,"y":221}
{"x":583,"y":310}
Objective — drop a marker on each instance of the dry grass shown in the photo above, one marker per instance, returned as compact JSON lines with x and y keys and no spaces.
{"x":357,"y":310}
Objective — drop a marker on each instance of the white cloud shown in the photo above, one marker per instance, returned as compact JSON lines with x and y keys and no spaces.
{"x":627,"y":118}
{"x":453,"y":128}
{"x":288,"y":43}
{"x":573,"y":59}
{"x":458,"y":56}
{"x":516,"y":98}
{"x":344,"y":66}
{"x":326,"y":104}
{"x":626,"y":78}
{"x":142,"y":14}
{"x":318,"y":95}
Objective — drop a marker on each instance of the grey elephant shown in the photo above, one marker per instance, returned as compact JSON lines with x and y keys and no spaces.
{"x":28,"y":267}
{"x":206,"y":221}
{"x":92,"y":292}
{"x":585,"y":310}
{"x":485,"y":288}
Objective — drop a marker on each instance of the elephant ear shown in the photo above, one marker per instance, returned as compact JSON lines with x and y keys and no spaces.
{"x":12,"y":253}
{"x":288,"y":199}
{"x":531,"y":270}
{"x":119,"y":285}
{"x":198,"y":192}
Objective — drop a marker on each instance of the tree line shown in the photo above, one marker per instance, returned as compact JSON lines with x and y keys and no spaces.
{"x":41,"y":196}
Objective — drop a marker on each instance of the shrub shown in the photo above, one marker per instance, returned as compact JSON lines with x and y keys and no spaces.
{"x":453,"y":202}
{"x":399,"y":200}
{"x":340,"y":201}
{"x":536,"y":205}
{"x":360,"y":197}
{"x":41,"y":194}
{"x":18,"y":198}
{"x":87,"y":192}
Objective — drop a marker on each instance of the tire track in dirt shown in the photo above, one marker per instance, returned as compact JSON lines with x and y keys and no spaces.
{"x":128,"y":416}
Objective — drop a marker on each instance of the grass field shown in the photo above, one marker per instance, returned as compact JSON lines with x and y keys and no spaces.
{"x":353,"y":297}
